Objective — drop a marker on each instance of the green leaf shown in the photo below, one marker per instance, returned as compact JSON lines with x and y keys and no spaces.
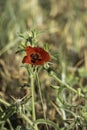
{"x":7,"y":113}
{"x":19,"y":51}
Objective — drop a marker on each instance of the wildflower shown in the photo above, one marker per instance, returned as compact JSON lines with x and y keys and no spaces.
{"x":35,"y":56}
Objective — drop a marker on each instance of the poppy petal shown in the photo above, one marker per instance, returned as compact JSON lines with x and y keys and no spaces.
{"x":43,"y":53}
{"x":26,"y":59}
{"x":29,"y":50}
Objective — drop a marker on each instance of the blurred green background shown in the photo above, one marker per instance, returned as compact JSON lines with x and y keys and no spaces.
{"x":64,"y":21}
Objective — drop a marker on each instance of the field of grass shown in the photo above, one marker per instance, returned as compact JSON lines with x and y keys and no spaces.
{"x":51,"y":96}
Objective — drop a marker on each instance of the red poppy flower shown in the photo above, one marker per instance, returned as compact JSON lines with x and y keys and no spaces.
{"x":35,"y":56}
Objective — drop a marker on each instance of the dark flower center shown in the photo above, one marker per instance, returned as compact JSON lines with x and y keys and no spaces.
{"x":34,"y":58}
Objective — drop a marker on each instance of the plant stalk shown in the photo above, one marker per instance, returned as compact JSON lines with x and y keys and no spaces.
{"x":65,"y":84}
{"x":33,"y":100}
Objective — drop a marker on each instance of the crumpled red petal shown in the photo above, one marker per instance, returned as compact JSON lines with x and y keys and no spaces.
{"x":26,"y":59}
{"x":43,"y":56}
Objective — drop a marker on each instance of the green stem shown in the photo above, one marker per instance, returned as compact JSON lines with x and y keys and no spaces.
{"x":33,"y":100}
{"x":26,"y":119}
{"x":41,"y":99}
{"x":10,"y":125}
{"x":4,"y":102}
{"x":65,"y":84}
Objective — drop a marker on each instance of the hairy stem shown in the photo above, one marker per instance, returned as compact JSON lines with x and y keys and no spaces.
{"x":33,"y":100}
{"x":65,"y":84}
